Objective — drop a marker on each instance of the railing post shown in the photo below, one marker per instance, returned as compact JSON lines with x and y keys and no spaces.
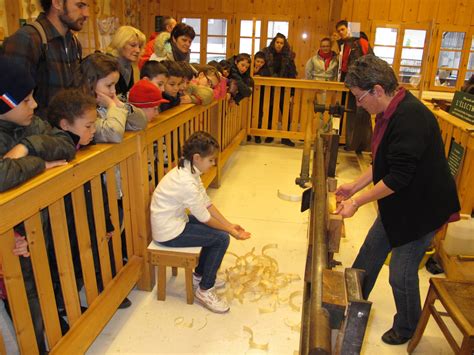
{"x":140,"y":194}
{"x":217,"y":119}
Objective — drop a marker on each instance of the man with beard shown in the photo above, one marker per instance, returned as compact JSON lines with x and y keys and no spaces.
{"x":49,"y":49}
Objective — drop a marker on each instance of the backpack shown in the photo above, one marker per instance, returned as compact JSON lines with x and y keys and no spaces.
{"x":42,"y":66}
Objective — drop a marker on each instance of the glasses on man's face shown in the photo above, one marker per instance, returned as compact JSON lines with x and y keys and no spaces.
{"x":362,"y":97}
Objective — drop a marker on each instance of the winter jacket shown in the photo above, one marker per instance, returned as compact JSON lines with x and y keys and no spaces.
{"x":315,"y":68}
{"x":287,"y":68}
{"x":44,"y":143}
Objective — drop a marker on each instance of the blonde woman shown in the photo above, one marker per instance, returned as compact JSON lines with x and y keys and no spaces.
{"x":126,"y":45}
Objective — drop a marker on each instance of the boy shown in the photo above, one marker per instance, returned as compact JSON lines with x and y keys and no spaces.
{"x":172,"y":86}
{"x":156,"y":73}
{"x":259,"y":68}
{"x":145,"y":95}
{"x":28,"y":145}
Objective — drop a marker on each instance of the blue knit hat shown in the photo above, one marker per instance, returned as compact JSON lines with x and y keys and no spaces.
{"x":16,"y":83}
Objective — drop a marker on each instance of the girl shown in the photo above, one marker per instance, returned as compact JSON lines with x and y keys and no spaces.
{"x":100,"y":74}
{"x":240,"y":77}
{"x":206,"y":227}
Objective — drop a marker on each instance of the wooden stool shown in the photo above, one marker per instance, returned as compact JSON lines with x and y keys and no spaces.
{"x":457,"y":297}
{"x":162,"y":256}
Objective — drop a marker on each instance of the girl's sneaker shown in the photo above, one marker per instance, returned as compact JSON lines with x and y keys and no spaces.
{"x":210,"y":300}
{"x":219,"y":283}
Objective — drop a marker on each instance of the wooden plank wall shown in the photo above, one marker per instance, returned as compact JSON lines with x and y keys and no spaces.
{"x":315,"y":17}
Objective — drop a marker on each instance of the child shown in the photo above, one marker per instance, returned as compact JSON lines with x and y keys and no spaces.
{"x":240,"y":75}
{"x":147,"y":96}
{"x":225,"y":68}
{"x":206,"y":227}
{"x":100,"y":73}
{"x":156,"y":73}
{"x":260,"y":68}
{"x":175,"y":77}
{"x":28,"y":145}
{"x":74,"y":112}
{"x":209,"y":76}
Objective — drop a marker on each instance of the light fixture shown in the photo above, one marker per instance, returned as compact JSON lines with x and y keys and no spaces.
{"x":304,"y":35}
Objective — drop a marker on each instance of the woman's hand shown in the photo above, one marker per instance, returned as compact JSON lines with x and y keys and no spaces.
{"x":238,"y":232}
{"x":347,"y":208}
{"x":345,"y":191}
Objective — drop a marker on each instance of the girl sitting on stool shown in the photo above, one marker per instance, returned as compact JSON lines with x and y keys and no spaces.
{"x":205,"y":227}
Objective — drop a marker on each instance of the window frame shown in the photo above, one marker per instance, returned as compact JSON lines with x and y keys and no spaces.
{"x":402,"y":28}
{"x":204,"y":32}
{"x":465,"y":50}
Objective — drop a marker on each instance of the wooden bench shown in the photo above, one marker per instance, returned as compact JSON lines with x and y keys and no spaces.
{"x":162,"y":257}
{"x":457,"y":297}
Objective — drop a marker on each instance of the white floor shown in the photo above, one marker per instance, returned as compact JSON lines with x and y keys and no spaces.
{"x":248,"y":196}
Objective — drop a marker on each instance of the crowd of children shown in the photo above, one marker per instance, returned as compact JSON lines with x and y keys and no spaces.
{"x":91,"y":113}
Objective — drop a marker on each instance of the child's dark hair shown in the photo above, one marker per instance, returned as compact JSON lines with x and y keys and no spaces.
{"x":243,"y":56}
{"x":68,"y":105}
{"x":215,"y":64}
{"x":153,"y":68}
{"x":259,"y":55}
{"x":174,"y":69}
{"x":201,"y":143}
{"x":188,"y":70}
{"x":94,"y":67}
{"x":225,"y":65}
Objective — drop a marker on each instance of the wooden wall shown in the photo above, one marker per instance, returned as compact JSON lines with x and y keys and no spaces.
{"x":315,"y":17}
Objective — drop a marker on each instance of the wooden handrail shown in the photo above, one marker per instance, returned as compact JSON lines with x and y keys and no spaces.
{"x":99,"y":164}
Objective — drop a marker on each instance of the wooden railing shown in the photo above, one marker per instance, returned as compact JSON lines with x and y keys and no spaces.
{"x":281,"y":107}
{"x":455,"y":130}
{"x":461,"y":132}
{"x":100,"y":173}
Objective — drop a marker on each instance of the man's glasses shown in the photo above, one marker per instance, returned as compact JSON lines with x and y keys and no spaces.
{"x":360,"y":98}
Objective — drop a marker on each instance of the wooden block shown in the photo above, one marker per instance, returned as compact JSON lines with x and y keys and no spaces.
{"x":332,"y":184}
{"x":334,"y":232}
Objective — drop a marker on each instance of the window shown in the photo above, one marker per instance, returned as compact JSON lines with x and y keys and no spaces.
{"x":196,"y":45}
{"x":385,"y":43}
{"x":275,"y":27}
{"x":402,"y":46}
{"x":470,"y":63}
{"x":412,"y":56}
{"x":216,"y":39}
{"x":247,"y":37}
{"x":449,"y":58}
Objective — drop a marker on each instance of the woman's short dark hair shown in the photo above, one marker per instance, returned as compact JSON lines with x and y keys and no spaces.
{"x":368,"y":71}
{"x":181,"y":29}
{"x":201,"y":143}
{"x":69,"y":105}
{"x":225,"y":65}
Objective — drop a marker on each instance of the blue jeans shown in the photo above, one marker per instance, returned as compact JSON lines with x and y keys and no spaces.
{"x":214,"y":243}
{"x":403,"y":275}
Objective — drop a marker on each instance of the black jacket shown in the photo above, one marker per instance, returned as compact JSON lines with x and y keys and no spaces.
{"x":287,"y":68}
{"x":44,"y":143}
{"x":243,"y":82}
{"x":410,"y":160}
